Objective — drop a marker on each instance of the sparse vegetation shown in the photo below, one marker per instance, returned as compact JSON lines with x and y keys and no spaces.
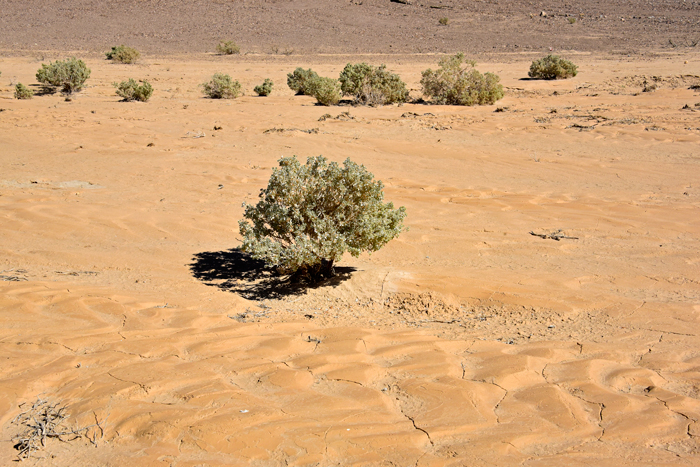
{"x":130,"y":90}
{"x":444,"y":21}
{"x":264,"y":89}
{"x":552,"y":67}
{"x":370,"y":85}
{"x":299,"y":79}
{"x":571,"y":20}
{"x":325,"y":90}
{"x":123,"y":54}
{"x":70,"y":75}
{"x":23,"y":92}
{"x":228,"y":48}
{"x":309,"y":215}
{"x":221,"y":86}
{"x":453,"y":84}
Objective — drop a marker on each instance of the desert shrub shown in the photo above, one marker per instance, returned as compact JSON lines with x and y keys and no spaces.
{"x":325,"y":90}
{"x":456,"y":85}
{"x":221,"y":86}
{"x":372,"y":85}
{"x":69,"y":74}
{"x":298,"y":80}
{"x":264,"y":89}
{"x":23,"y":92}
{"x":123,"y":54}
{"x":444,"y":21}
{"x":309,"y":215}
{"x":228,"y":48}
{"x":552,"y":67}
{"x":571,"y":20}
{"x":130,"y":90}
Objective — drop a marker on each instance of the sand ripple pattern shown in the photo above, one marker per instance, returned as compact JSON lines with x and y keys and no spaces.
{"x":203,"y":389}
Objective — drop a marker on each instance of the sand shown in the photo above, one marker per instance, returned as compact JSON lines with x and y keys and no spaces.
{"x":466,"y":341}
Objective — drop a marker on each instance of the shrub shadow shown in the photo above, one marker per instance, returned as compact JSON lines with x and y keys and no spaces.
{"x":236,"y":271}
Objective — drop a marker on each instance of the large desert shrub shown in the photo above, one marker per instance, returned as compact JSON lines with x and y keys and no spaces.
{"x":70,"y":75}
{"x":552,"y":67}
{"x":264,"y":89}
{"x":228,"y":48}
{"x":221,"y":86}
{"x":309,"y":215}
{"x":299,"y":79}
{"x":453,"y":84}
{"x":130,"y":90}
{"x":325,"y":90}
{"x":372,"y":85}
{"x":123,"y":54}
{"x":23,"y":92}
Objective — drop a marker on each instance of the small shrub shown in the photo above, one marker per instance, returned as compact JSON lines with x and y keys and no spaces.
{"x":297,"y":81}
{"x":130,"y":90}
{"x":23,"y":92}
{"x":444,"y":21}
{"x":123,"y":54}
{"x":309,"y":215}
{"x":325,"y":90}
{"x":552,"y":67}
{"x":264,"y":89}
{"x":221,"y":86}
{"x":571,"y":20}
{"x":453,"y":85}
{"x":69,"y":74}
{"x":228,"y":48}
{"x":371,"y":85}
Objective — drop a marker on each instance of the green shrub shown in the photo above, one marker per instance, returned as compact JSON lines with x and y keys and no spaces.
{"x":444,"y":21}
{"x":228,"y":48}
{"x":221,"y":86}
{"x":325,"y":90}
{"x":130,"y":90}
{"x":69,"y":74}
{"x":552,"y":67}
{"x":451,"y":84}
{"x":264,"y":89}
{"x":123,"y":54}
{"x":297,"y":81}
{"x":372,"y":85}
{"x":309,"y":215}
{"x":571,"y":20}
{"x":23,"y":92}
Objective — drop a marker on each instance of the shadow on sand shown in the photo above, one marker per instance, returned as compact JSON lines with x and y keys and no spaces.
{"x":235,"y":271}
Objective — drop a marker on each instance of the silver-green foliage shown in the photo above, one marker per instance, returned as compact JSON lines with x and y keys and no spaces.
{"x":23,"y":92}
{"x":453,"y":84}
{"x":371,"y":85}
{"x":325,"y":90}
{"x":552,"y":67}
{"x":123,"y":54}
{"x":228,"y":48}
{"x":221,"y":86}
{"x":264,"y":89}
{"x":130,"y":90}
{"x":70,"y":75}
{"x":309,"y":215}
{"x":299,"y":79}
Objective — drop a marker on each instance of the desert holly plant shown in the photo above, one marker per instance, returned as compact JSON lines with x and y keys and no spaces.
{"x":309,"y":215}
{"x":453,"y":84}
{"x":70,"y":75}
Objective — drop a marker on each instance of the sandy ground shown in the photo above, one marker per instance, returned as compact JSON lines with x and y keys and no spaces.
{"x":466,"y":341}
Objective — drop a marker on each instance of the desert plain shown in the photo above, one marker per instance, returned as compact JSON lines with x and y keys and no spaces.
{"x":542,"y":309}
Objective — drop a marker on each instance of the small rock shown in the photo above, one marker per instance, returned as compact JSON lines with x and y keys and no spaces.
{"x":543,"y":14}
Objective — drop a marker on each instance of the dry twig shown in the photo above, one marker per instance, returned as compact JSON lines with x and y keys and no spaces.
{"x":45,"y":420}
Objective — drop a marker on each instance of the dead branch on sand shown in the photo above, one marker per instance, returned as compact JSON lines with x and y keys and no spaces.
{"x":45,"y":420}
